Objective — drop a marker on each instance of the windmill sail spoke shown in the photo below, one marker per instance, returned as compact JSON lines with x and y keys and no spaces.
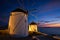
{"x":35,"y":17}
{"x":21,"y":4}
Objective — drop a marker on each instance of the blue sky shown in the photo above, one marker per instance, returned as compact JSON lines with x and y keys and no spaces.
{"x":47,"y":11}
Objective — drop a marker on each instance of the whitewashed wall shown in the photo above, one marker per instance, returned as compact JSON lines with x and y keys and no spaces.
{"x":18,"y":24}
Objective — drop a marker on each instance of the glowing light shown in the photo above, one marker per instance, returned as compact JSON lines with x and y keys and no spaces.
{"x":33,"y":28}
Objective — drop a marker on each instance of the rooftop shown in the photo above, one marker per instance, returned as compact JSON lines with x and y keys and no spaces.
{"x":19,"y":10}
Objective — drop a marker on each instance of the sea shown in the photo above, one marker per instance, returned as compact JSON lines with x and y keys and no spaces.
{"x":50,"y":30}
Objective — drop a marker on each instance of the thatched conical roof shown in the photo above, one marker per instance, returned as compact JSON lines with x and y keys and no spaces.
{"x":33,"y":23}
{"x":19,"y":10}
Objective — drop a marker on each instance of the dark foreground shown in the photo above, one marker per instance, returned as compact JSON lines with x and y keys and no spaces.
{"x":33,"y":37}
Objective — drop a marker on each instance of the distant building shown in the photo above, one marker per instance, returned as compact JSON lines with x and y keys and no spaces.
{"x":18,"y":23}
{"x":33,"y":27}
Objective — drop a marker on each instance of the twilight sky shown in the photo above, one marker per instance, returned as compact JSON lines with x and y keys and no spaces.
{"x":47,"y":12}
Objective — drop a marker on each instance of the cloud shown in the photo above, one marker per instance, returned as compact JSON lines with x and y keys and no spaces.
{"x":48,"y":21}
{"x":45,"y":21}
{"x":50,"y":25}
{"x":58,"y":17}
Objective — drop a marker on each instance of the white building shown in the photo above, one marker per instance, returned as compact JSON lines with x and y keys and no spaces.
{"x":33,"y":27}
{"x":18,"y":23}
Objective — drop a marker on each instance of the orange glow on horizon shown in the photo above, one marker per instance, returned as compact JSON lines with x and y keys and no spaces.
{"x":51,"y":25}
{"x":54,"y":25}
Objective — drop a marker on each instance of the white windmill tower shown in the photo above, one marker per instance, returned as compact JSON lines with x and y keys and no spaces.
{"x":18,"y":23}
